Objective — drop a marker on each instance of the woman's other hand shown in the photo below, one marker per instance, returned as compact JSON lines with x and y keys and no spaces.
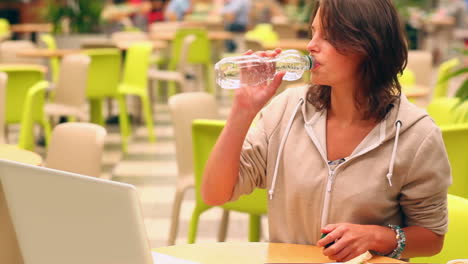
{"x":253,"y":95}
{"x":352,"y":240}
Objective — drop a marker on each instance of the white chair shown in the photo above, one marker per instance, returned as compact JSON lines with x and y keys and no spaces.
{"x":185,"y":108}
{"x":9,"y":249}
{"x":3,"y":80}
{"x":181,"y":74}
{"x":8,"y":50}
{"x":420,"y":63}
{"x":77,"y":148}
{"x":70,"y":91}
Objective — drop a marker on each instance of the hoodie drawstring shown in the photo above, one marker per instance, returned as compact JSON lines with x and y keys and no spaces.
{"x":398,"y":125}
{"x":280,"y":151}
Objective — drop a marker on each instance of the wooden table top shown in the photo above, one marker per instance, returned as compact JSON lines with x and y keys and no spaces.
{"x":35,"y":67}
{"x":415,"y":91}
{"x":13,"y":153}
{"x":252,"y":253}
{"x":298,"y":44}
{"x":46,"y":53}
{"x":27,"y":28}
{"x":212,"y":35}
{"x":157,"y":44}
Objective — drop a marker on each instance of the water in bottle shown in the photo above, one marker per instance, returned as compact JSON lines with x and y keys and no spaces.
{"x":251,"y":70}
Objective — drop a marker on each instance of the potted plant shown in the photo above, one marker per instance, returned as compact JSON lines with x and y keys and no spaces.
{"x":83,"y":16}
{"x":74,"y":20}
{"x":462,"y":91}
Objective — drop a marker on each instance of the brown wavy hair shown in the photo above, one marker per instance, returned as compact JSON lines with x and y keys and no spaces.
{"x":370,"y":28}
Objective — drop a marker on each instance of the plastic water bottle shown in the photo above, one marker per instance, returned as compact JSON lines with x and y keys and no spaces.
{"x":255,"y":69}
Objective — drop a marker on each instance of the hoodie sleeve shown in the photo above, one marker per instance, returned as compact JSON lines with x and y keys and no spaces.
{"x":252,"y":169}
{"x":253,"y":159}
{"x":424,"y":195}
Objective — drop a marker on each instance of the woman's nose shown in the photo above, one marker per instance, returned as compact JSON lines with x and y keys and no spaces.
{"x":312,"y":46}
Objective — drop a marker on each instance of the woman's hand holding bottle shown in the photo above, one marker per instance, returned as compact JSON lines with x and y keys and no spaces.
{"x":256,"y":89}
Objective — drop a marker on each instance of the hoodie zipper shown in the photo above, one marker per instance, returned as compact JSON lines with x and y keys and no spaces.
{"x":332,"y":173}
{"x":326,"y":202}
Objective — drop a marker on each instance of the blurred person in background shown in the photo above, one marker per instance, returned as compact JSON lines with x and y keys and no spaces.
{"x":266,"y":11}
{"x":116,"y":16}
{"x":177,"y":9}
{"x":156,"y":13}
{"x":236,"y":18}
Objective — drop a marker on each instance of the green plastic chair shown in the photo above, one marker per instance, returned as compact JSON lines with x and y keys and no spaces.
{"x":204,"y":135}
{"x":441,"y":87}
{"x":263,"y":33}
{"x":4,"y":29}
{"x":456,"y":143}
{"x":25,"y":101}
{"x":453,"y":121}
{"x":446,"y":111}
{"x":455,"y":246}
{"x":407,"y":81}
{"x":50,"y":43}
{"x":135,"y":82}
{"x":103,"y":80}
{"x":199,"y":53}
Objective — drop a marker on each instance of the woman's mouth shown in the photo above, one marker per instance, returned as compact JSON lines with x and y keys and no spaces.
{"x":316,"y":65}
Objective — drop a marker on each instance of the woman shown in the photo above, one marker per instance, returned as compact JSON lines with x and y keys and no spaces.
{"x":347,"y":155}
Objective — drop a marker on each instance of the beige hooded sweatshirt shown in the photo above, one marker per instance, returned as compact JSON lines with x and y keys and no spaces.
{"x":399,"y":173}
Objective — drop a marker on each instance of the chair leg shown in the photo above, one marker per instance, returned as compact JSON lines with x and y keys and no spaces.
{"x":96,"y":111}
{"x":124,"y":122}
{"x":26,"y":136}
{"x":148,"y":114}
{"x":192,"y":234}
{"x":209,"y":78}
{"x":47,"y":130}
{"x":254,"y":227}
{"x":171,"y":88}
{"x":179,"y":196}
{"x":223,"y":226}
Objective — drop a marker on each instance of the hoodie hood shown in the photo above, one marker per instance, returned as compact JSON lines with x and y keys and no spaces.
{"x":402,"y":116}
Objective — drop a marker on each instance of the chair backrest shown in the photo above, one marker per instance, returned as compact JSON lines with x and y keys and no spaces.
{"x":50,"y":43}
{"x":3,"y":80}
{"x":456,"y":144}
{"x":200,"y":49}
{"x":136,"y":65}
{"x":205,"y":133}
{"x":184,"y":52}
{"x":103,"y":72}
{"x":71,"y":85}
{"x":420,"y":63}
{"x":455,"y":246}
{"x":447,"y":111}
{"x":185,"y":108}
{"x":9,"y":48}
{"x":441,"y":86}
{"x":20,"y":79}
{"x":4,"y":28}
{"x":407,"y":78}
{"x":77,"y":148}
{"x":263,"y":33}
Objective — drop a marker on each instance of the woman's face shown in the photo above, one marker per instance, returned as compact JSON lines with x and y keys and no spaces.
{"x":331,"y":67}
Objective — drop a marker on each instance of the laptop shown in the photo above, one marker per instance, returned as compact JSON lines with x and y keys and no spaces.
{"x":62,"y":217}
